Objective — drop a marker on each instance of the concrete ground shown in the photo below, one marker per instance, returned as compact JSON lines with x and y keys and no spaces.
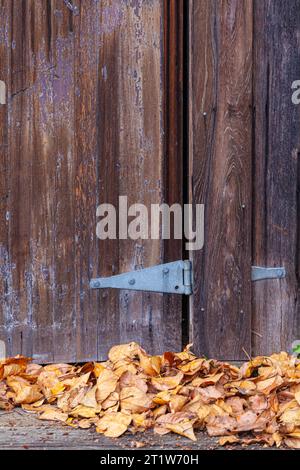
{"x":20,"y":430}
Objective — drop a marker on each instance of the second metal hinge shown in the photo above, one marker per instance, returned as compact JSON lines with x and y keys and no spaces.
{"x":259,"y":273}
{"x":170,"y":278}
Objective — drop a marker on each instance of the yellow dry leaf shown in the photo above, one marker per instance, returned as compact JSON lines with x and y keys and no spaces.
{"x":134,"y":400}
{"x":58,"y":388}
{"x":163,"y":397}
{"x":192,"y":367}
{"x":113,"y":424}
{"x":98,"y":368}
{"x":142,"y":420}
{"x":106,"y":384}
{"x":82,"y":411}
{"x":297,"y":397}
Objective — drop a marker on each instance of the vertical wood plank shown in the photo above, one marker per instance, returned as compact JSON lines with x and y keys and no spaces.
{"x":61,"y":38}
{"x":5,"y":271}
{"x":174,"y":318}
{"x":276,"y":304}
{"x":220,"y":174}
{"x":33,"y":173}
{"x":86,"y":188}
{"x":132,"y":145}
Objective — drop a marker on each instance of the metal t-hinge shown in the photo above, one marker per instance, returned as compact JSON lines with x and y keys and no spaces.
{"x":170,"y":278}
{"x":259,"y":273}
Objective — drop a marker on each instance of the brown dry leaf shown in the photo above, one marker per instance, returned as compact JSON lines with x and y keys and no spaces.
{"x":266,"y":386}
{"x":134,"y":400}
{"x":160,"y":411}
{"x":142,"y":420}
{"x":24,"y":392}
{"x":106,"y":384}
{"x":177,"y":402}
{"x":113,"y":424}
{"x":220,"y":425}
{"x":111,"y":402}
{"x":181,"y":423}
{"x":210,"y":394}
{"x":123,"y":351}
{"x":224,"y":440}
{"x":291,"y":417}
{"x":292,"y":442}
{"x":167,"y":383}
{"x":246,"y":421}
{"x":128,"y":379}
{"x":89,"y":398}
{"x":77,"y":389}
{"x":205,"y":381}
{"x":297,"y":397}
{"x":150,"y":364}
{"x":53,"y":414}
{"x":244,"y":387}
{"x":185,"y":428}
{"x":190,"y":368}
{"x":13,"y":366}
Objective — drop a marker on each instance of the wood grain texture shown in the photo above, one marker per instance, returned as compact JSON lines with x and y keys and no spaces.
{"x":174,"y":312}
{"x":276,"y":303}
{"x":85,"y":122}
{"x":220,"y":174}
{"x":5,"y":271}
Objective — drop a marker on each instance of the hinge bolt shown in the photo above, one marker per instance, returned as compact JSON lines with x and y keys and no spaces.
{"x":166,"y":271}
{"x":131,"y":282}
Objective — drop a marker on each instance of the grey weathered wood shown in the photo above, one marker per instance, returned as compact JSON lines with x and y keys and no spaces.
{"x":20,"y":430}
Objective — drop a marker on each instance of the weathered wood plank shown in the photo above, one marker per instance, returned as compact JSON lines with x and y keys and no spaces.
{"x":61,"y":37}
{"x":5,"y":271}
{"x":220,"y":174}
{"x":276,"y":303}
{"x":132,"y":145}
{"x":174,"y":319}
{"x":86,"y":187}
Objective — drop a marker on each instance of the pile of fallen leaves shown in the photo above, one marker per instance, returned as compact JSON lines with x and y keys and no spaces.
{"x":175,"y":392}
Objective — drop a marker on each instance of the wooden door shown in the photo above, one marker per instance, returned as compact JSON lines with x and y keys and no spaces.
{"x":93,"y":106}
{"x":244,"y":166}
